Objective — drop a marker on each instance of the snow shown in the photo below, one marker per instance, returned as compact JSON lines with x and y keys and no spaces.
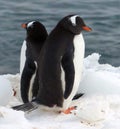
{"x":5,"y":91}
{"x":99,"y":78}
{"x":99,"y":108}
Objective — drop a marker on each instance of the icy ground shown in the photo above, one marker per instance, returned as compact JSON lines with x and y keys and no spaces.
{"x":99,"y":108}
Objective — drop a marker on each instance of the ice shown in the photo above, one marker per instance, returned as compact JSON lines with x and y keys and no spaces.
{"x":6,"y":91}
{"x":99,"y":108}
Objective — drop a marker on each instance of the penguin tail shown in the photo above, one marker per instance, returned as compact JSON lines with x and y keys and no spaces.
{"x":27,"y":107}
{"x":77,"y":96}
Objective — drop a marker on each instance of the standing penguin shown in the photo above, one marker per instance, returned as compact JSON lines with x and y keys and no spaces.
{"x":30,"y":51}
{"x":60,"y":65}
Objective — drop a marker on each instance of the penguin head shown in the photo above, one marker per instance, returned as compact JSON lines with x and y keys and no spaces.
{"x":74,"y":24}
{"x":35,"y":29}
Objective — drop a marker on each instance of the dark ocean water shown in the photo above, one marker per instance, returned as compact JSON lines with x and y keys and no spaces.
{"x":102,"y":16}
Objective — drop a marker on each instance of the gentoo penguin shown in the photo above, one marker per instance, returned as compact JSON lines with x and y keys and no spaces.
{"x":36,"y":35}
{"x":60,"y":65}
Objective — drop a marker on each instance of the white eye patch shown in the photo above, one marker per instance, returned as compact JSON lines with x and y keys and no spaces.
{"x":73,"y":19}
{"x":30,"y":24}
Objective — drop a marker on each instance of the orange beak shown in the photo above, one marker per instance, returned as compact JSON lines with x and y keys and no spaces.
{"x":86,"y":28}
{"x":24,"y":25}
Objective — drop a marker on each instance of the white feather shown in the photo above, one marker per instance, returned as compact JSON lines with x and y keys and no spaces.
{"x":30,"y":24}
{"x":63,"y":79}
{"x":79,"y":48}
{"x":31,"y":83}
{"x":73,"y":19}
{"x":23,"y":56}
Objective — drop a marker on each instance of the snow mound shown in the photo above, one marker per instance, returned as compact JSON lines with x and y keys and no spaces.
{"x":99,"y":108}
{"x":99,"y":78}
{"x":93,"y":109}
{"x":13,"y":119}
{"x":6,"y":91}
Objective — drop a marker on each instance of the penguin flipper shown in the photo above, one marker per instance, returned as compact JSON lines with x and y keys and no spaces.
{"x":27,"y":107}
{"x":68,"y":67}
{"x":27,"y":74}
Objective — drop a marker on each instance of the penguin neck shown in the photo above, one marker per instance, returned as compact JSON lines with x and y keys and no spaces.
{"x":36,"y":37}
{"x":61,"y":35}
{"x":62,"y":31}
{"x":35,"y":42}
{"x":33,"y":50}
{"x":62,"y":38}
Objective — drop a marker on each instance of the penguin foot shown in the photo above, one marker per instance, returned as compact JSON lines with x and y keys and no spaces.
{"x":68,"y":111}
{"x":27,"y":107}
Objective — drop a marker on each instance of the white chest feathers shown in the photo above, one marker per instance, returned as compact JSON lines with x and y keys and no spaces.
{"x":23,"y":56}
{"x":79,"y":48}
